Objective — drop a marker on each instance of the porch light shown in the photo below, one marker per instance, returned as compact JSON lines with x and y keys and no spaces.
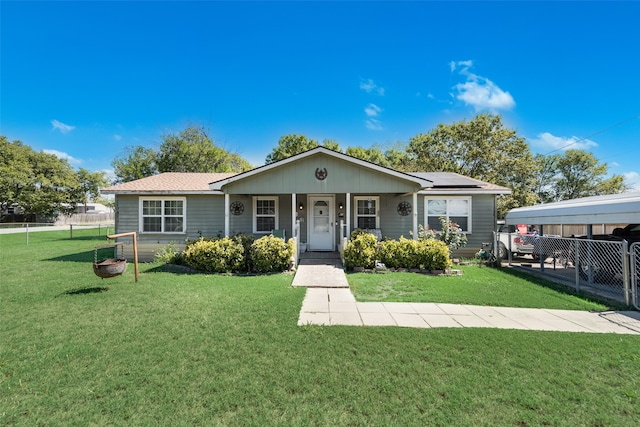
{"x":340,"y":206}
{"x":300,"y":206}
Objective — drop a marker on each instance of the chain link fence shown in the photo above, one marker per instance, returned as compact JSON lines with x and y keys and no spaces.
{"x":634,"y":253}
{"x":605,"y":268}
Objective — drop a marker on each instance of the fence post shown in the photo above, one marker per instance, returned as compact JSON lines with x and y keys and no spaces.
{"x":625,"y":270}
{"x":27,"y":233}
{"x":70,"y":231}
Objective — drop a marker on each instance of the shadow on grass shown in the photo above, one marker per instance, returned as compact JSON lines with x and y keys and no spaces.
{"x":564,"y":288}
{"x":82,"y":291}
{"x":78,"y":257}
{"x":172,"y":268}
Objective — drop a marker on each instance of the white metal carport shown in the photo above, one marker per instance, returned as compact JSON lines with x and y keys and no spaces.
{"x":621,"y":208}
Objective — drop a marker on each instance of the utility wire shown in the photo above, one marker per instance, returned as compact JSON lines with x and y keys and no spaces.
{"x":595,"y":134}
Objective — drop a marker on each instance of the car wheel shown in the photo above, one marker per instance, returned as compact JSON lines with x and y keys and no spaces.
{"x":503,"y":252}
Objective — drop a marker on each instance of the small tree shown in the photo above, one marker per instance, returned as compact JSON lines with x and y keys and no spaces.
{"x":451,"y":234}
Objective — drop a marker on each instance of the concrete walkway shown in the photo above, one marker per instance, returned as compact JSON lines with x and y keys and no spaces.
{"x":329,"y":301}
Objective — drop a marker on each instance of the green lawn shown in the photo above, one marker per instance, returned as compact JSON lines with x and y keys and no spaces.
{"x":479,"y":285}
{"x":179,"y":349}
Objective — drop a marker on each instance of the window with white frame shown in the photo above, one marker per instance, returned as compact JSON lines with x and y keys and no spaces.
{"x":163,"y":215}
{"x":367,"y":212}
{"x":265,"y":214}
{"x":456,"y":209}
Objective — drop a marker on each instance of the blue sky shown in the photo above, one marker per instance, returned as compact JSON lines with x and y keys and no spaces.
{"x":86,"y":79}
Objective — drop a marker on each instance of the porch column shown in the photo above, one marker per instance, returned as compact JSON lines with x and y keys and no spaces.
{"x":226,"y":214}
{"x":415,"y":216}
{"x":347,"y":212}
{"x":294,"y":210}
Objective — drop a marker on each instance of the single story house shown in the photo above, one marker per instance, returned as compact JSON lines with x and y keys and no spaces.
{"x":318,"y":197}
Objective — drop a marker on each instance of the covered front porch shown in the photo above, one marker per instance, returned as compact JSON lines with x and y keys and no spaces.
{"x":321,"y":222}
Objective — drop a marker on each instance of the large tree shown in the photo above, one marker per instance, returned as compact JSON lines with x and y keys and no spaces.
{"x":580,"y":174}
{"x":546,"y":171}
{"x":138,"y":162}
{"x":394,"y":157}
{"x":290,"y":145}
{"x":36,"y":182}
{"x":190,"y":150}
{"x":481,"y":148}
{"x":89,"y":187}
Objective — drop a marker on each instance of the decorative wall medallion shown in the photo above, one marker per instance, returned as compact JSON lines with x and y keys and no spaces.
{"x":404,"y":208}
{"x":237,"y":208}
{"x":321,"y":174}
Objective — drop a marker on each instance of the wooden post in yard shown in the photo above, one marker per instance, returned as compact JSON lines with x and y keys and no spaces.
{"x":135,"y":248}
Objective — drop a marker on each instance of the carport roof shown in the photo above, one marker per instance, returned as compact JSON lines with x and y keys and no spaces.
{"x":621,"y":208}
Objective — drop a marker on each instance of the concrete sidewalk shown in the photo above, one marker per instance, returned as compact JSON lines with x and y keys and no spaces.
{"x":331,"y":306}
{"x":329,"y":302}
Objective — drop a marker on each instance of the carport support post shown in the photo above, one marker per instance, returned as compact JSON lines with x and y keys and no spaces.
{"x":541,"y":246}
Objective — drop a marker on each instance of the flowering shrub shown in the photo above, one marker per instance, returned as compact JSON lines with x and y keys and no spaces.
{"x":451,"y":234}
{"x":270,"y":253}
{"x":215,"y":256}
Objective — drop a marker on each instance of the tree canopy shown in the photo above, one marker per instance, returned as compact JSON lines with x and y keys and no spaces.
{"x":575,"y":174}
{"x":36,"y":182}
{"x":481,"y":148}
{"x":290,"y":145}
{"x":191,"y":150}
{"x":89,"y":185}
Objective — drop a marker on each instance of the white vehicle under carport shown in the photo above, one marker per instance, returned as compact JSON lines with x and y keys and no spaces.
{"x":509,"y":240}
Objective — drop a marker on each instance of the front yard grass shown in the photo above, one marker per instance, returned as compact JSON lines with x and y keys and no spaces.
{"x":478,"y":285}
{"x":181,"y":349}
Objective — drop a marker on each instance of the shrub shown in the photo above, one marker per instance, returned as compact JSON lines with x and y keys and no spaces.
{"x":407,"y":253}
{"x":434,"y":255}
{"x":168,"y":255}
{"x":271,"y":254}
{"x":361,"y":251}
{"x":215,"y":256}
{"x":246,"y":240}
{"x":389,"y":253}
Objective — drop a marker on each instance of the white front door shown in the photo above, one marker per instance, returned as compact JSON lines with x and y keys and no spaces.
{"x":321,"y":223}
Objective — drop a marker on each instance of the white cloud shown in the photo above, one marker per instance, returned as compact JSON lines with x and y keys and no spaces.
{"x":372,"y":110}
{"x":63,"y":128}
{"x":478,"y":91}
{"x":117,"y":137}
{"x":370,"y":86}
{"x":633,"y":180}
{"x":547,"y":141}
{"x":373,"y":124}
{"x":465,"y":64}
{"x":65,"y":156}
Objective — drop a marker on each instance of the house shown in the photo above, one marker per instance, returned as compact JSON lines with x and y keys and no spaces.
{"x":318,"y":197}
